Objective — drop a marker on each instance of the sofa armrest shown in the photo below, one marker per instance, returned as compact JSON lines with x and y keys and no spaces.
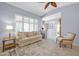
{"x":17,"y":38}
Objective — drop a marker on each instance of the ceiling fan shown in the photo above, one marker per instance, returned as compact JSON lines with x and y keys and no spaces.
{"x":54,"y":4}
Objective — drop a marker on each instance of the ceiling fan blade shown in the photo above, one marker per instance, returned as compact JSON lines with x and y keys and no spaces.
{"x":47,"y":5}
{"x":54,"y":4}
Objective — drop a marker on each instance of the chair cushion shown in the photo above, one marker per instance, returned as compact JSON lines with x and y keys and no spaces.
{"x":67,"y":42}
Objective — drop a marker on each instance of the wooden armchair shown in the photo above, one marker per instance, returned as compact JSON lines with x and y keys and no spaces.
{"x":68,"y":40}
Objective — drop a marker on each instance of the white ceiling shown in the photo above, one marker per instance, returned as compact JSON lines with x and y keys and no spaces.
{"x":38,"y":8}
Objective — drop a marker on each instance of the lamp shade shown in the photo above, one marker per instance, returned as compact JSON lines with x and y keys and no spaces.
{"x":9,"y":27}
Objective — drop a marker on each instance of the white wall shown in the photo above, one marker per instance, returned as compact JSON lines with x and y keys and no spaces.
{"x":70,"y":21}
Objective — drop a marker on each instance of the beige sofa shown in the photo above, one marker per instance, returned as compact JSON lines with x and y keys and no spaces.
{"x":25,"y":38}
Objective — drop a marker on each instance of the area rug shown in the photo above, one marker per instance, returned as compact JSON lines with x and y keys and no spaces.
{"x":46,"y":47}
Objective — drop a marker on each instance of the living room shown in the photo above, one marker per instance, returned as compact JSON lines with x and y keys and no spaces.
{"x":20,"y":19}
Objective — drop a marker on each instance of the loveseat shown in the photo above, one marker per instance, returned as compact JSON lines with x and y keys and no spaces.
{"x":25,"y":38}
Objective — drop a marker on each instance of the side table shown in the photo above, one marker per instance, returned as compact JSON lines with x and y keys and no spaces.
{"x":9,"y":44}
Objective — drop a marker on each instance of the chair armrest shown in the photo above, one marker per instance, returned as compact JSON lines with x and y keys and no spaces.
{"x":60,"y":38}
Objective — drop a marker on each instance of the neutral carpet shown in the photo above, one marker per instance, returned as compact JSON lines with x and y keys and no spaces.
{"x":44,"y":48}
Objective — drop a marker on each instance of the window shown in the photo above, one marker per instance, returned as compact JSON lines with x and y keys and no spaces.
{"x":31,"y":24}
{"x":26,"y":19}
{"x":26,"y":24}
{"x":18,"y":27}
{"x":26,"y":27}
{"x":18,"y":18}
{"x":36,"y":25}
{"x":31,"y":27}
{"x":31,"y":20}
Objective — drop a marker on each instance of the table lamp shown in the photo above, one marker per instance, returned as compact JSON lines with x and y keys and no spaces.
{"x":9,"y":28}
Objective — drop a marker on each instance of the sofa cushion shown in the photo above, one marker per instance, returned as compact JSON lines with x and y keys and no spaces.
{"x":26,"y":34}
{"x":24,"y":39}
{"x":36,"y":33}
{"x":21,"y":35}
{"x":30,"y":38}
{"x":30,"y":34}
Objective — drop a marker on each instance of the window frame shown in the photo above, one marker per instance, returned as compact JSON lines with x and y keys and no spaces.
{"x":29,"y":22}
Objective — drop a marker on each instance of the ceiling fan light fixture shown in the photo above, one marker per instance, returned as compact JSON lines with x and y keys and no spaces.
{"x":51,"y":3}
{"x":54,"y":4}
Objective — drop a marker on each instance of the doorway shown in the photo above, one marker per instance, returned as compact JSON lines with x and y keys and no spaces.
{"x":52,"y":25}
